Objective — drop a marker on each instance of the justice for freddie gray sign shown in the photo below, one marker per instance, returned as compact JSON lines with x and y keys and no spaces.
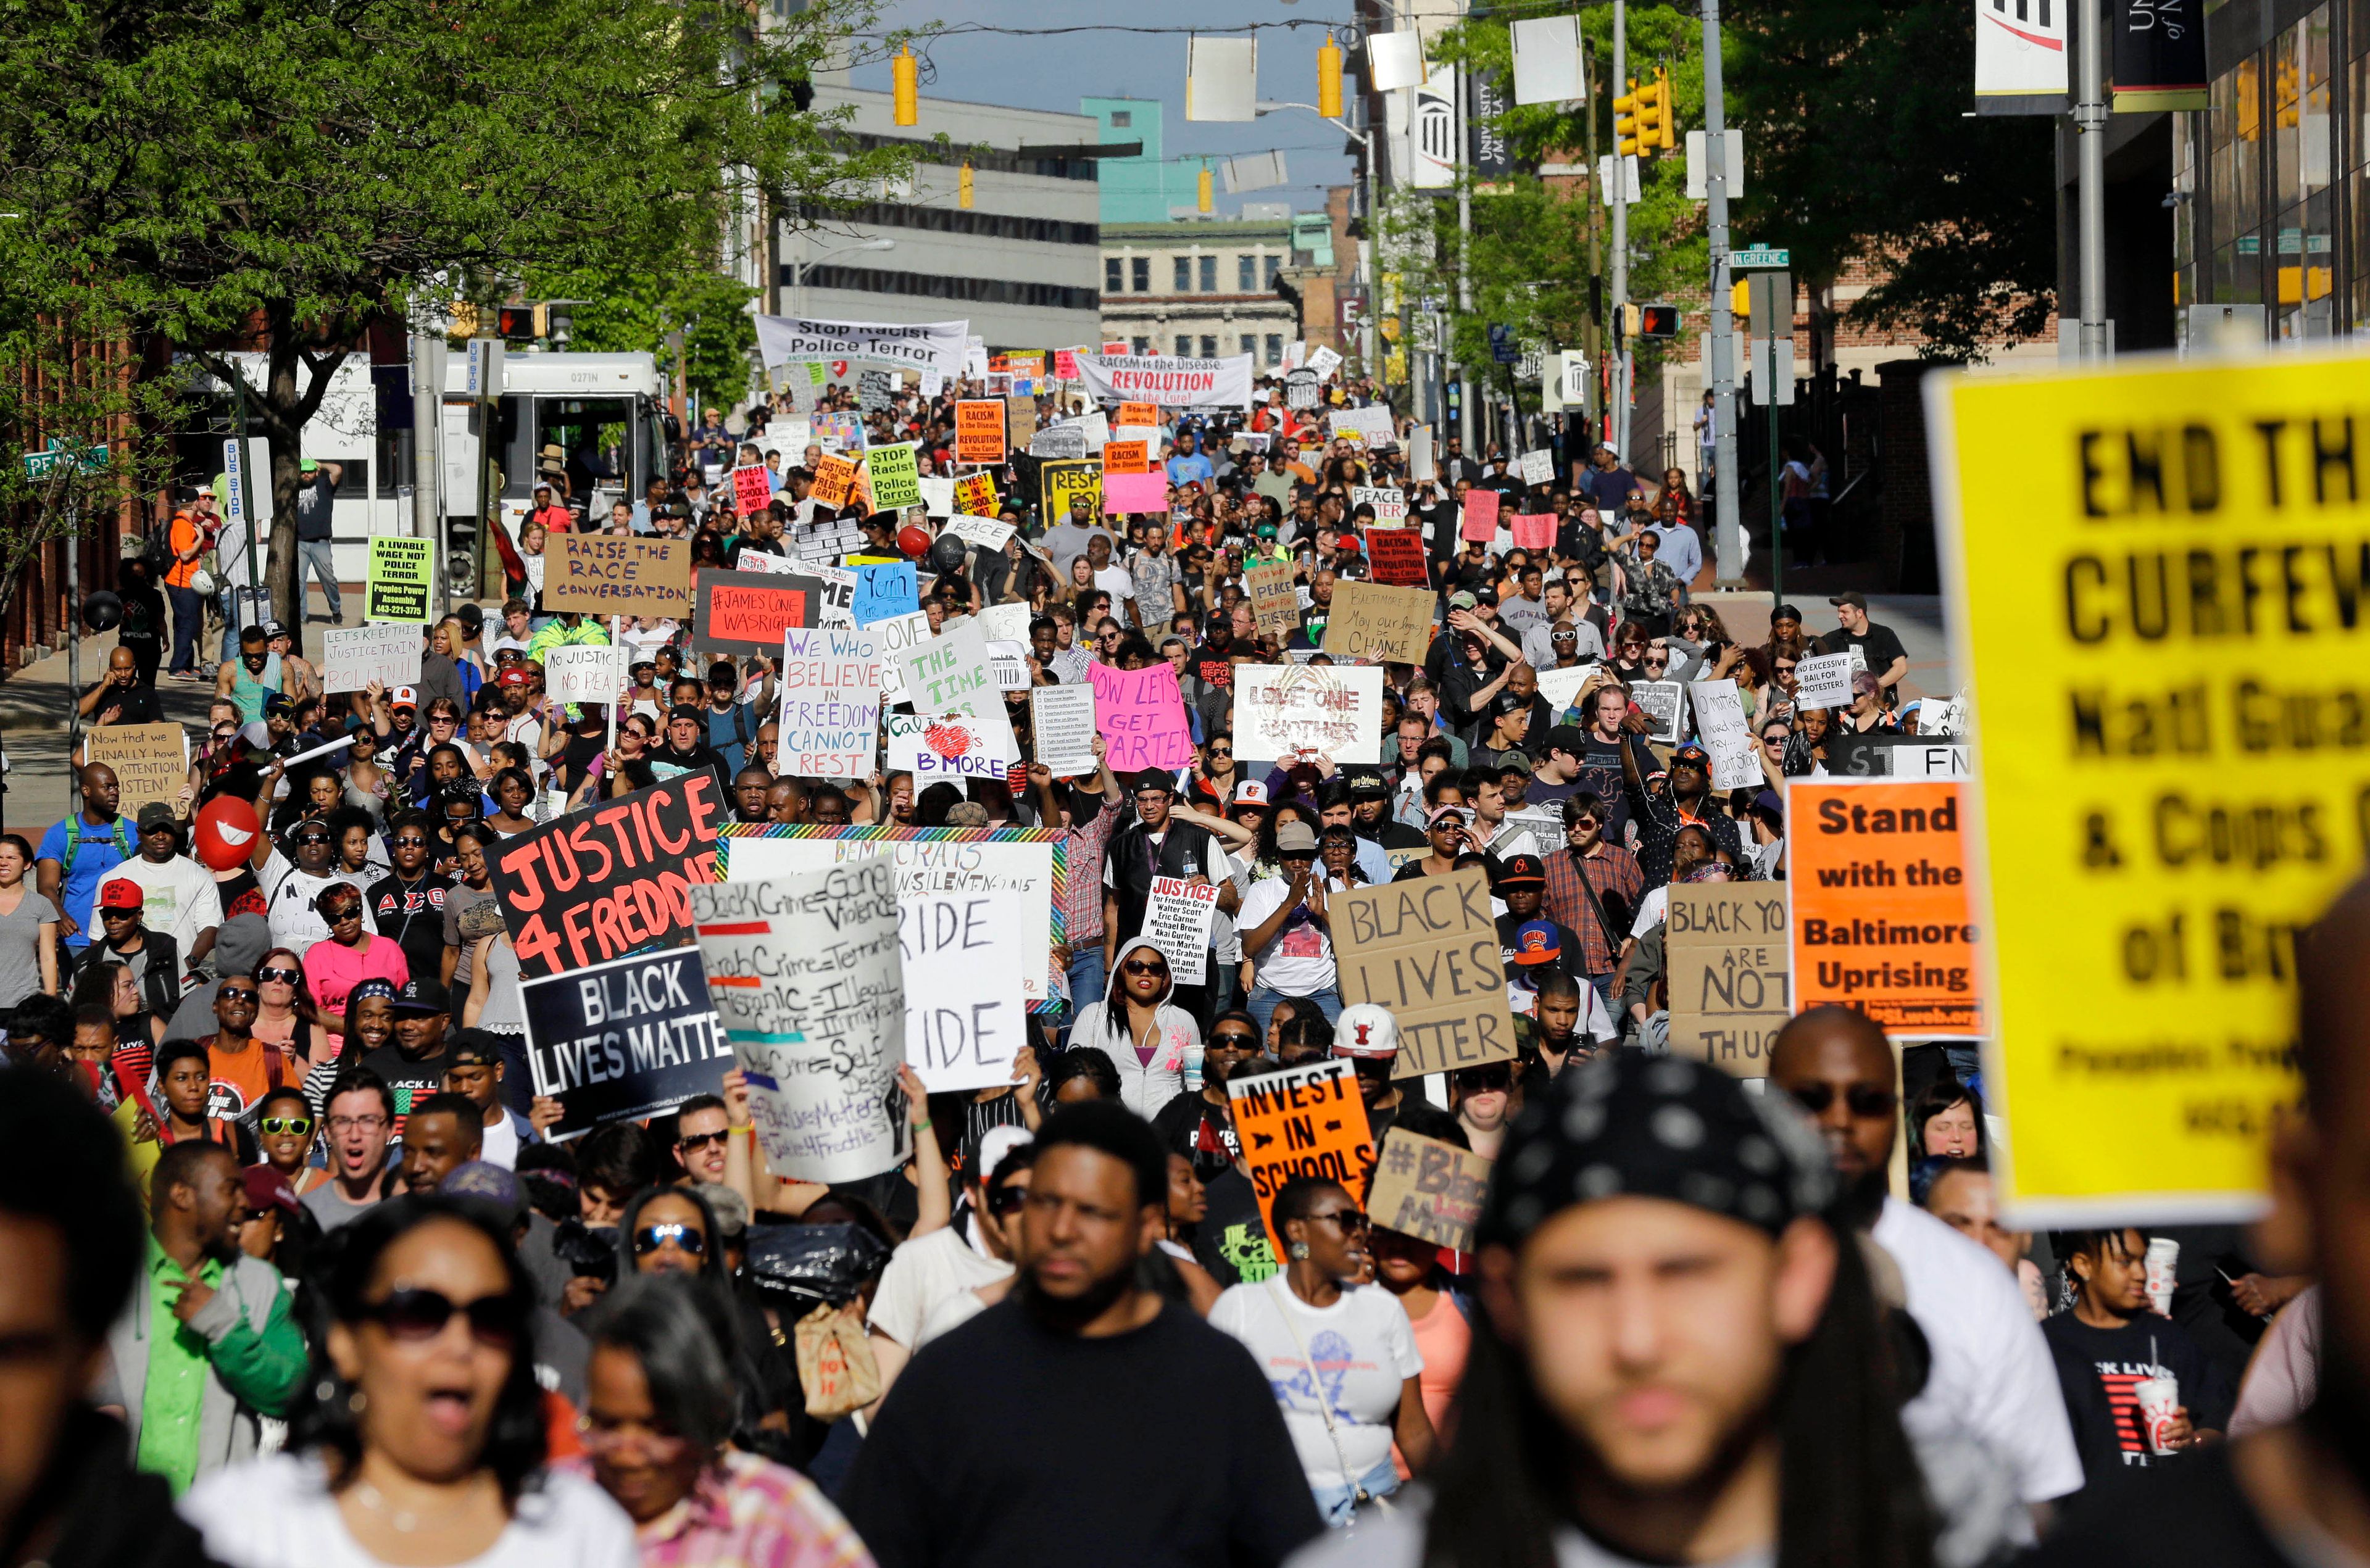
{"x":632,"y":1037}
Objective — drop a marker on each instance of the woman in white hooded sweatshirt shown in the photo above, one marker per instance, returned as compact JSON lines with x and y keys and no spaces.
{"x":1155,"y":1046}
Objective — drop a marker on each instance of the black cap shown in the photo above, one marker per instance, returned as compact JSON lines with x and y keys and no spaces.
{"x":1852,"y":597}
{"x":1568,"y":738}
{"x":1152,"y":778}
{"x":684,"y":710}
{"x":1368,"y":785}
{"x":1527,"y":869}
{"x":422,"y":995}
{"x":1508,"y":702}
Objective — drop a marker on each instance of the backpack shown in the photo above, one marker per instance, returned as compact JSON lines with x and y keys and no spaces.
{"x":75,"y":842}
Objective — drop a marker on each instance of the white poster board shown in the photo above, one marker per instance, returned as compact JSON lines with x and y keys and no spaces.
{"x":964,"y":1026}
{"x":830,"y":714}
{"x":1539,"y":467}
{"x":1720,"y":721}
{"x":1328,"y":710}
{"x":1177,"y":921}
{"x":384,"y":651}
{"x":584,"y":674}
{"x":897,"y":635}
{"x":1824,"y":680}
{"x":948,"y":746}
{"x":1666,"y":706}
{"x":1062,"y":721}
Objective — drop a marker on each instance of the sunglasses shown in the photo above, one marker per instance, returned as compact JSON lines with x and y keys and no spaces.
{"x":295,"y":1126}
{"x":236,"y":994}
{"x":1234,"y":1042}
{"x":650,"y":1238}
{"x":302,"y":839}
{"x":1864,"y":1099}
{"x":1007,"y":1200}
{"x":412,"y":1314}
{"x":697,"y":1141}
{"x":1140,"y":966}
{"x":285,"y":977}
{"x":119,"y":914}
{"x":1482,"y":1080}
{"x":1352,"y":1221}
{"x":338,"y":912}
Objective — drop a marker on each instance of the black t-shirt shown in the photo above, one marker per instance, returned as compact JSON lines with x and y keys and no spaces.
{"x":1202,"y":1132}
{"x":314,"y":507}
{"x":412,"y":1082}
{"x":1231,"y":1240}
{"x":2096,"y":1370}
{"x":143,"y":616}
{"x":2192,"y":1512}
{"x":1878,"y":643}
{"x":413,"y":914}
{"x":135,"y":704}
{"x":1001,"y":1446}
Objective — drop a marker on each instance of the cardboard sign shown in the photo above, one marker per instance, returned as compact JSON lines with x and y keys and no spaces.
{"x":614,"y":574}
{"x":876,"y":392}
{"x":1125,"y":493}
{"x":894,"y":477}
{"x":1308,"y":710}
{"x":402,"y":575}
{"x":838,"y":595}
{"x":839,"y":431}
{"x":1126,"y":457}
{"x":752,"y":489}
{"x":1728,"y":962}
{"x":929,"y":861}
{"x":354,"y":657}
{"x":1396,"y":557}
{"x":1177,"y":921}
{"x":1370,"y":621}
{"x":1005,"y":622}
{"x":1019,"y":420}
{"x":834,"y":481}
{"x":1534,"y":531}
{"x":1881,"y":917}
{"x":631,"y":1038}
{"x":1559,"y":689}
{"x":1480,"y":516}
{"x":830,"y":713}
{"x":979,"y":432}
{"x":955,"y":746}
{"x":1302,"y":1121}
{"x":1428,"y":950}
{"x":1066,"y":363}
{"x":1057,"y":482}
{"x":1664,"y":703}
{"x":151,"y":761}
{"x":748,"y":612}
{"x":964,"y":1027}
{"x":1371,"y":427}
{"x":975,"y":497}
{"x":1062,"y":729}
{"x":807,"y":982}
{"x":1389,"y":503}
{"x":1136,"y":413}
{"x":884,"y":591}
{"x":900,"y":634}
{"x":1824,"y":680}
{"x":1428,"y":1189}
{"x":610,"y":880}
{"x":592,"y":674}
{"x":949,"y":673}
{"x":1274,"y":601}
{"x":1142,"y":716}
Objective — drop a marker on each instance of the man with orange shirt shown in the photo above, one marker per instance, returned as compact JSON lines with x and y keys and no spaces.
{"x":191,"y":535}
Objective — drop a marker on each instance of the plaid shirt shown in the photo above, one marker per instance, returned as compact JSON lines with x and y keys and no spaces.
{"x":1083,"y":886}
{"x":748,"y":1513}
{"x":1614,"y":873}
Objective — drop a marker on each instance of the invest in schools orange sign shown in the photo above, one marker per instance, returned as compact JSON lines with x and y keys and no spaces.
{"x":1882,"y":919}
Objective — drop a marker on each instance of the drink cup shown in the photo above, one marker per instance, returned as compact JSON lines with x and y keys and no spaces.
{"x":2163,"y":1261}
{"x":2159,"y":1398}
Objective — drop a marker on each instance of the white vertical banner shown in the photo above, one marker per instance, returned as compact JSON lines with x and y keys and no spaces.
{"x":2019,"y":54}
{"x":1547,"y":60}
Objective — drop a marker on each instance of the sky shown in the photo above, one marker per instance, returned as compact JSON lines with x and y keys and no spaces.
{"x":1055,"y":72}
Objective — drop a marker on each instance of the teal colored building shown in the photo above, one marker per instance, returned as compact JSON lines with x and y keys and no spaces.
{"x":1141,"y":190}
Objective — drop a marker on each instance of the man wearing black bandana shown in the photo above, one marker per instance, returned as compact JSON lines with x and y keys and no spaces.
{"x":1677,"y":1357}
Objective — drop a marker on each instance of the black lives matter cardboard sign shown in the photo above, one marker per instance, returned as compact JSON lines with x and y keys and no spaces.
{"x":630,"y":1038}
{"x":1427,"y":950}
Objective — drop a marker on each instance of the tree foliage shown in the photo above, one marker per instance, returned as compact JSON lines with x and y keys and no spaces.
{"x":633,"y":309}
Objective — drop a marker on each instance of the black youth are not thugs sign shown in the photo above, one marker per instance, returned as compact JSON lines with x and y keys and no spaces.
{"x":632,"y":1037}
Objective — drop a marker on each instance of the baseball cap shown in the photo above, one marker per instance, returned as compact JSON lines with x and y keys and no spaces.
{"x":1537,"y":943}
{"x":156,"y":814}
{"x":277,"y":703}
{"x":1366,"y":1031}
{"x":422,"y":994}
{"x":512,"y":675}
{"x":1852,"y":597}
{"x":637,"y":664}
{"x":1523,"y":871}
{"x":273,"y":629}
{"x":1691,"y":752}
{"x":268,"y":1189}
{"x":684,"y":709}
{"x":482,"y":1181}
{"x":125,"y":894}
{"x":1461,"y":600}
{"x":472,"y":1048}
{"x":404,"y":697}
{"x":1152,"y":779}
{"x":1250,"y":792}
{"x":1568,"y":738}
{"x":1441,"y":814}
{"x":1294,"y":838}
{"x":1508,"y":702}
{"x":1368,"y":785}
{"x":1265,"y":531}
{"x":307,"y":464}
{"x":1485,"y":594}
{"x":1514,"y":762}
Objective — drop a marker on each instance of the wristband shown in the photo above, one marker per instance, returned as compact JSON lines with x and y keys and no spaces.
{"x":741,"y":1131}
{"x":921,"y":1125}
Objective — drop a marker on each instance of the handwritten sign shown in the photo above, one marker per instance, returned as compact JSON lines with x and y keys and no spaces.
{"x":949,"y":672}
{"x":1534,"y":530}
{"x":1428,"y":950}
{"x":1308,"y":710}
{"x":1539,"y":467}
{"x":1390,"y":505}
{"x":1142,"y":716}
{"x":1397,"y":558}
{"x":1480,"y":516}
{"x":807,"y":982}
{"x":964,"y":1027}
{"x":975,"y":496}
{"x":830,"y":713}
{"x":606,"y":882}
{"x":884,"y":591}
{"x":1720,"y":721}
{"x":631,"y":1038}
{"x":1274,"y":601}
{"x":753,"y":488}
{"x":1728,"y":960}
{"x":1824,"y":680}
{"x":1370,"y":621}
{"x":1302,"y":1121}
{"x":1177,"y":921}
{"x":948,"y":746}
{"x":617,"y":574}
{"x":1428,"y":1189}
{"x":592,"y":674}
{"x":1019,"y":419}
{"x":834,"y":481}
{"x":151,"y":761}
{"x":748,"y":612}
{"x":354,"y":657}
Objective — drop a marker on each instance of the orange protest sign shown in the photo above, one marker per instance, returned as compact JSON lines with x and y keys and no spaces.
{"x":834,"y":475}
{"x":1127,"y":457}
{"x":1881,"y":919}
{"x":1303,"y":1121}
{"x":979,"y":432}
{"x":1135,"y":415}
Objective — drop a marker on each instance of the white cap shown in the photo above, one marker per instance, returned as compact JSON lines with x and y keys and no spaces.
{"x":1366,"y":1029}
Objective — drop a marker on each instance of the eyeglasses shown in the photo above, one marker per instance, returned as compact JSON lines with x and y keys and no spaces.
{"x":1482,"y":1080}
{"x":687,"y":1238}
{"x":1352,"y":1221}
{"x":348,"y":1124}
{"x":1586,"y":822}
{"x":413,"y":1314}
{"x":1863,"y":1099}
{"x":294,"y":1127}
{"x":1007,"y":1200}
{"x":1142,"y":967}
{"x":692,"y":1141}
{"x":284,"y":977}
{"x":1234,"y":1042}
{"x":236,"y":994}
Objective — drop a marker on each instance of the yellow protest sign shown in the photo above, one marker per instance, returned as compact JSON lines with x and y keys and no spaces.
{"x":2159,"y":607}
{"x":1071,"y":476}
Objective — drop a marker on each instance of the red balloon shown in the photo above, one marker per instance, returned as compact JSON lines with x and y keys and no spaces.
{"x":913,"y":538}
{"x":226,"y":831}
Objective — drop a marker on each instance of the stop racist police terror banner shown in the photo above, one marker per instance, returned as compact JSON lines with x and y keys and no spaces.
{"x":2161,"y":613}
{"x":610,"y":880}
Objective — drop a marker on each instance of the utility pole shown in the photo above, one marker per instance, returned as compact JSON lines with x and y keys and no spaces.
{"x":1593,"y":334}
{"x":2090,"y":145}
{"x":426,"y":452}
{"x":1620,"y":410}
{"x":1465,"y":388}
{"x":1720,"y":346}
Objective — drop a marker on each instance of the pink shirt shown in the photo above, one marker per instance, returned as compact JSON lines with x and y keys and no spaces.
{"x":332,"y":971}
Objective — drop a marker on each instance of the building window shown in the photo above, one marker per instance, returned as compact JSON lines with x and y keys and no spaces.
{"x":1141,"y":265}
{"x":1115,"y":274}
{"x":1246,"y":273}
{"x":1122,"y":118}
{"x":1274,"y":265}
{"x":1209,"y":274}
{"x":1209,"y":346}
{"x":1184,"y":348}
{"x":1250,"y":343}
{"x":1274,"y":346}
{"x":1142,"y":345}
{"x":1184,"y":274}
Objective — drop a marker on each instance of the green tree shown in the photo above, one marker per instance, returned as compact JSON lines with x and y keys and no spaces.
{"x":221,"y":170}
{"x":629,"y":310}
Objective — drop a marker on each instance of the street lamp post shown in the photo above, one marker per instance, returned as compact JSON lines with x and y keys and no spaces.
{"x":799,"y":268}
{"x":1371,"y":348}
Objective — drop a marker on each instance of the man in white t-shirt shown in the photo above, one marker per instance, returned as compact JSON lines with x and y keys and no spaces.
{"x":1992,"y":1379}
{"x":923,"y":1272}
{"x":179,"y":898}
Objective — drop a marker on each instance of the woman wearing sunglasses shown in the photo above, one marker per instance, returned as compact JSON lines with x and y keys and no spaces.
{"x":1343,"y":1439}
{"x":353,"y":953}
{"x":419,"y":1435}
{"x":282,"y":1007}
{"x":1154,"y":1044}
{"x":671,"y":1231}
{"x":1483,"y":1098}
{"x":292,"y":889}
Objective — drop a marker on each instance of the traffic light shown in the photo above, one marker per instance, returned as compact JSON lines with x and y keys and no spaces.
{"x":1657,"y":321}
{"x":905,"y":74}
{"x":1654,"y":117}
{"x":1328,"y":79}
{"x":1205,"y":196}
{"x":1625,"y":121}
{"x":962,"y":186}
{"x":518,"y":320}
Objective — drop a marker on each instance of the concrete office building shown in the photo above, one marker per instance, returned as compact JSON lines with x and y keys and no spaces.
{"x":1208,"y":287}
{"x":1022,"y":263}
